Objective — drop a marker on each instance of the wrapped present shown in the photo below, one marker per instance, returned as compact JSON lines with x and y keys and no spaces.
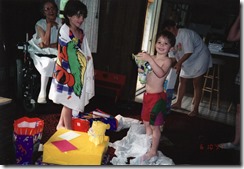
{"x":73,"y":150}
{"x":79,"y":124}
{"x":27,"y":136}
{"x":98,"y":115}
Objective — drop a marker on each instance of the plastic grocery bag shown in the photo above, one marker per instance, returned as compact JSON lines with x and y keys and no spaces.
{"x":27,"y":136}
{"x":169,"y":86}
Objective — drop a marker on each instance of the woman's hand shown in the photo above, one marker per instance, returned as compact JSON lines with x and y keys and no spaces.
{"x":52,"y":23}
{"x":177,"y":67}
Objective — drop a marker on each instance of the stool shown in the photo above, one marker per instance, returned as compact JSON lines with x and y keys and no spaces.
{"x":230,"y":106}
{"x":212,"y":81}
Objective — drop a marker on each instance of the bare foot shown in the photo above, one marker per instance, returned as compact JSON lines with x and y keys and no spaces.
{"x":176,"y":106}
{"x":148,"y":156}
{"x":193,"y":113}
{"x":59,"y":126}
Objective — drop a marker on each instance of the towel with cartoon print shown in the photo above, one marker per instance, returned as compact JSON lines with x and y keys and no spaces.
{"x":73,"y":78}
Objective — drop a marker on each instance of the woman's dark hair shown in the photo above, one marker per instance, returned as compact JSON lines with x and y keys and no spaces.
{"x":43,"y":4}
{"x":168,"y":24}
{"x":170,"y":36}
{"x":74,"y":7}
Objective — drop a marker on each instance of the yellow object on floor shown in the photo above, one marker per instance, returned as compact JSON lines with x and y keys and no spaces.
{"x":87,"y":153}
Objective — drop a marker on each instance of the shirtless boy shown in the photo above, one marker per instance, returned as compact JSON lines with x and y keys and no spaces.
{"x":154,"y":99}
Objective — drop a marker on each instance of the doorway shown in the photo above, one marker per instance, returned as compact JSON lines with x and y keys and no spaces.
{"x":149,"y":37}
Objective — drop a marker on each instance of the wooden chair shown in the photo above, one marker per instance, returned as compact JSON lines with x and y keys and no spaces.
{"x":111,"y":81}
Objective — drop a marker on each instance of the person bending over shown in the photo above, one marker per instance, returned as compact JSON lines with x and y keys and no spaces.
{"x":193,"y":60}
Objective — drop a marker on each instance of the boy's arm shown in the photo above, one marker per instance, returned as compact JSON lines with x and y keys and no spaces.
{"x":160,"y":71}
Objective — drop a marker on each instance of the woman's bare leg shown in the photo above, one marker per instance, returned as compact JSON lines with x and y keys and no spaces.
{"x":197,"y":84}
{"x":42,"y":94}
{"x":180,"y":93}
{"x":238,"y":126}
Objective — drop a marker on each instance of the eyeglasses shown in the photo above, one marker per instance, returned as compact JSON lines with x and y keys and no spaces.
{"x":50,"y":9}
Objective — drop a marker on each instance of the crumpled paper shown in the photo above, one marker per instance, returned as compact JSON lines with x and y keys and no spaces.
{"x":125,"y":122}
{"x":135,"y":144}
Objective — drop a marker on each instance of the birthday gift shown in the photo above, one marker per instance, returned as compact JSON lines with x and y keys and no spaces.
{"x":27,"y":136}
{"x":68,"y":147}
{"x":84,"y":121}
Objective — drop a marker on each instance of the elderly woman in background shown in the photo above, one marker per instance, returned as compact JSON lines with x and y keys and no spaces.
{"x":45,"y":42}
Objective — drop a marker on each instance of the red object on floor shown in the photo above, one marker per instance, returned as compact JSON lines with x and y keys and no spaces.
{"x":82,"y":125}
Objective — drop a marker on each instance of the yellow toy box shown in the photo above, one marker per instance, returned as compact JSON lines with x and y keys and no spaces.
{"x":83,"y":151}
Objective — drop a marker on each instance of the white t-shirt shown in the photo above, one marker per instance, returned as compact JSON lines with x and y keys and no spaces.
{"x":54,"y":30}
{"x":188,"y":41}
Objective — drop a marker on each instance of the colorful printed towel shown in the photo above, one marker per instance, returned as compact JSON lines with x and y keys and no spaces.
{"x":73,"y":78}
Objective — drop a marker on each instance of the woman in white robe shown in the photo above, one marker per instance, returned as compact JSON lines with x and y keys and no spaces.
{"x":193,"y":60}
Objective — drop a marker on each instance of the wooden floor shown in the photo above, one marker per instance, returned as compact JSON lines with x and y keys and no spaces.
{"x":183,"y":133}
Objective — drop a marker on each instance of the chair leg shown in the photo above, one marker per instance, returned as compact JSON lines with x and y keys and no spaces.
{"x":204,"y":84}
{"x":212,"y":89}
{"x":218,"y":86}
{"x":231,"y":104}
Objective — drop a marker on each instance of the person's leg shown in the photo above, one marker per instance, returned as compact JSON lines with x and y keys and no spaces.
{"x":235,"y":144}
{"x":156,"y":134}
{"x":42,"y":94}
{"x":238,"y":126}
{"x":197,"y":85}
{"x":148,"y":128}
{"x":60,"y":122}
{"x":65,"y":120}
{"x":180,"y":92}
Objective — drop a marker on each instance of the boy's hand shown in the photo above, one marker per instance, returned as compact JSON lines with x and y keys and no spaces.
{"x":140,"y":70}
{"x":143,"y":56}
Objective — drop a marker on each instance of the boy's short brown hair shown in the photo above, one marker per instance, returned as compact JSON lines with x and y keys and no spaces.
{"x":170,"y":36}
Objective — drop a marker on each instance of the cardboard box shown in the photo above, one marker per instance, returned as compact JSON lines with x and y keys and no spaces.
{"x":87,"y":153}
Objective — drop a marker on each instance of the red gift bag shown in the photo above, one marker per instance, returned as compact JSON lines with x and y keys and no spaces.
{"x":27,"y":136}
